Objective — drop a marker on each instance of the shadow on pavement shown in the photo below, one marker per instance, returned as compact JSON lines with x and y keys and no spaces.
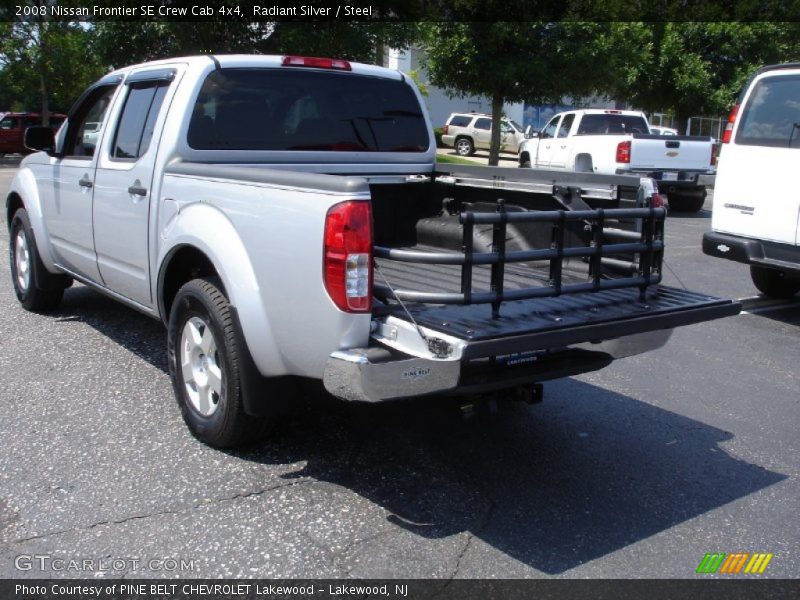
{"x":702,"y":214}
{"x":584,"y":474}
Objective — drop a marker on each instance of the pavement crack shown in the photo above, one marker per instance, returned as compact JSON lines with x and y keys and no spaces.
{"x":195,"y":506}
{"x":487,"y":516}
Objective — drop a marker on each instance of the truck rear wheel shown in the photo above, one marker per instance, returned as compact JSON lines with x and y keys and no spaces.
{"x":206,"y":367}
{"x":690,"y":202}
{"x":464,"y":146}
{"x":36,"y":288}
{"x":774,"y":283}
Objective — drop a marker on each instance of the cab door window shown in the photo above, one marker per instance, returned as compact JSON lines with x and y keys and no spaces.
{"x":136,"y":125}
{"x":82,"y":133}
{"x":549,"y":130}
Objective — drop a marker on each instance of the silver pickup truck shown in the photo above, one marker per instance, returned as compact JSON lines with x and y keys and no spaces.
{"x":285,"y":219}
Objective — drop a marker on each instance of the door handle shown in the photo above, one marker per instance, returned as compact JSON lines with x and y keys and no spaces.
{"x":85,"y":182}
{"x":136,"y":190}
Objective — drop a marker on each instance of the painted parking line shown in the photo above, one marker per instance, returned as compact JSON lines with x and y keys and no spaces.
{"x":755,"y":305}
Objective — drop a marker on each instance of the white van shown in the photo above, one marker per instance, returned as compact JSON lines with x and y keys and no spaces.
{"x":756,"y":213}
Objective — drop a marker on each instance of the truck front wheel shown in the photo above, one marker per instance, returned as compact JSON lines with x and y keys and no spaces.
{"x":774,"y":283}
{"x":36,"y":288}
{"x":205,"y":349}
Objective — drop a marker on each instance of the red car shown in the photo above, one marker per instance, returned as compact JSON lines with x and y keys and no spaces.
{"x":13,"y":126}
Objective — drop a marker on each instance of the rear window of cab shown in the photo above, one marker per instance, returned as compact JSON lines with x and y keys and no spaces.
{"x":294,"y":109}
{"x":771,"y":115}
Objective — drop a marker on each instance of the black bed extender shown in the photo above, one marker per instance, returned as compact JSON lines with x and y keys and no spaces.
{"x":540,"y":322}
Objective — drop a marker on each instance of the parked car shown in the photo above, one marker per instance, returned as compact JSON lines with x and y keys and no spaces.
{"x":620,"y":142}
{"x":467,"y":132}
{"x":283,"y":217}
{"x":658,"y":130}
{"x":756,"y":216}
{"x":13,"y":126}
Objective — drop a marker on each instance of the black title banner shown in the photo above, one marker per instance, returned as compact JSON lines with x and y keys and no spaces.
{"x":220,"y":589}
{"x":402,"y":10}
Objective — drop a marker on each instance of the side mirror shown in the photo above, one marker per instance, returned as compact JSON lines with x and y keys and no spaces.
{"x":40,"y":138}
{"x":530,"y":133}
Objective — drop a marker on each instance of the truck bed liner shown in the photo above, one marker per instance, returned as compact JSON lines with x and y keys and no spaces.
{"x":552,"y":321}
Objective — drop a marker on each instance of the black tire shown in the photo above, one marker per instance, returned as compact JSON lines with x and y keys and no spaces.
{"x":36,"y":288}
{"x":525,"y":162}
{"x":688,"y":202}
{"x":775,"y":283}
{"x":226,"y":423}
{"x":464,"y":146}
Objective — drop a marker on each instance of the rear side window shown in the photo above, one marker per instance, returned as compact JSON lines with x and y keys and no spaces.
{"x":485,"y":124}
{"x":566,"y":125}
{"x":9,"y":123}
{"x":771,"y":116}
{"x":459,"y":121}
{"x":294,"y":109}
{"x":136,"y":125}
{"x":608,"y":124}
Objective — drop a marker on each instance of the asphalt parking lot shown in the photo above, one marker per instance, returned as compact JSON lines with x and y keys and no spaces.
{"x":634,"y":471}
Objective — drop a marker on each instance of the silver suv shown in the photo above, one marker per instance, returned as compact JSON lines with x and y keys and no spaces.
{"x":467,"y":132}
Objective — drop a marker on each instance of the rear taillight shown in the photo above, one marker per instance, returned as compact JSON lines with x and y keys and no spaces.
{"x":624,"y":152}
{"x":347,"y":259}
{"x":316,"y":62}
{"x":726,"y":136}
{"x":714,"y":150}
{"x":444,"y":130}
{"x":657,"y":201}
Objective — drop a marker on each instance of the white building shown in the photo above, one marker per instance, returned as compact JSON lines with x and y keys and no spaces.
{"x":440,"y":105}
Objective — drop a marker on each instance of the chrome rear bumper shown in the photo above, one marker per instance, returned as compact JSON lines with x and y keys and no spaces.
{"x":371,"y":375}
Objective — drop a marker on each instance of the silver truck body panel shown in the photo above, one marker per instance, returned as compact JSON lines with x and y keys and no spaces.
{"x":266,"y":242}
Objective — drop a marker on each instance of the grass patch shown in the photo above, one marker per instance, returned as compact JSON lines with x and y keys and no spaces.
{"x":454,"y":160}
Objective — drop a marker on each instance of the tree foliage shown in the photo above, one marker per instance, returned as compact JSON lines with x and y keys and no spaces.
{"x":698,"y":68}
{"x":534,"y":62}
{"x":123,"y":43}
{"x":45,"y":65}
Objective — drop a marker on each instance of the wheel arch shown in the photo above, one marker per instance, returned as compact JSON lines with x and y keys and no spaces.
{"x":202,"y":241}
{"x":24,"y":193}
{"x":13,"y":204}
{"x":182,"y":263}
{"x":584,"y":163}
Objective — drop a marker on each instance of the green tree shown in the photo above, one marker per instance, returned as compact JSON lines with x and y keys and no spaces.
{"x":535,"y":62}
{"x":45,"y":64}
{"x":699,"y":68}
{"x":124,"y":43}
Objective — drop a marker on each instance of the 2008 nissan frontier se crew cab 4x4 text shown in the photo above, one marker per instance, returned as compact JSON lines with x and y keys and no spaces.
{"x":284,"y":217}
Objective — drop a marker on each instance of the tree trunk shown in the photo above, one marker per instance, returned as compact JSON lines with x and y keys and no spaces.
{"x":45,"y":102}
{"x":380,"y":54}
{"x":497,"y":114}
{"x":681,"y":121}
{"x":44,"y":63}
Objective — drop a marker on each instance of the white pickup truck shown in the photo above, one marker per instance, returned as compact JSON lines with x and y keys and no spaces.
{"x":620,"y":141}
{"x":284,"y":218}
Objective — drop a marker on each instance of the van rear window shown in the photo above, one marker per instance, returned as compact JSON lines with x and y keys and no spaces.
{"x":771,"y":116}
{"x":294,"y":109}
